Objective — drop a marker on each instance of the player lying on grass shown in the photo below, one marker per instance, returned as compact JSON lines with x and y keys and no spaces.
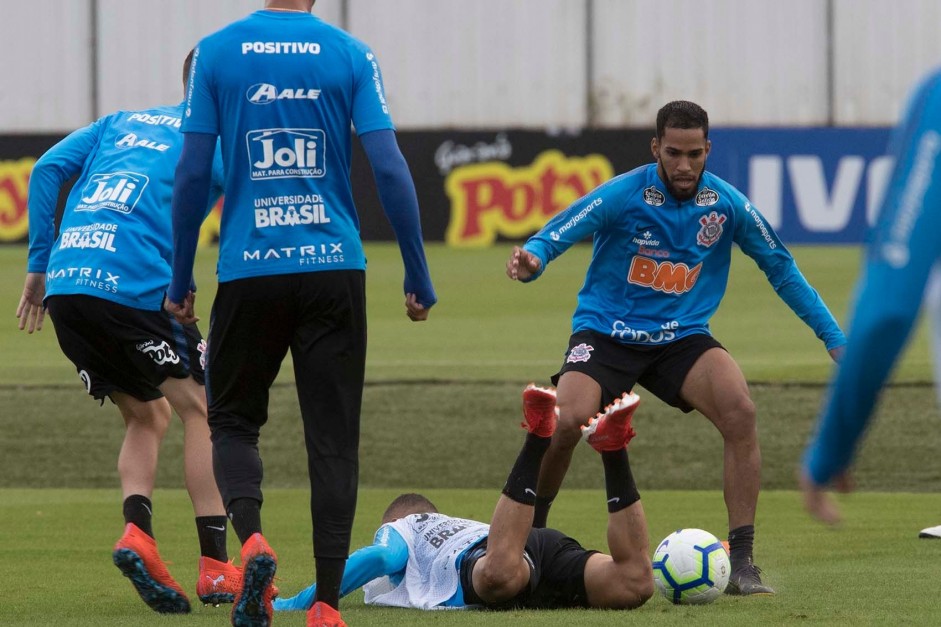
{"x":423,"y":559}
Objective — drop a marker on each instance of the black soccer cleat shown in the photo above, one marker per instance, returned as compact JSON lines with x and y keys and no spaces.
{"x":745,"y":580}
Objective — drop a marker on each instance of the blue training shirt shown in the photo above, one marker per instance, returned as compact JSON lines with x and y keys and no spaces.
{"x":660,"y":267}
{"x":115,"y":239}
{"x":281,"y":88}
{"x":903,"y":247}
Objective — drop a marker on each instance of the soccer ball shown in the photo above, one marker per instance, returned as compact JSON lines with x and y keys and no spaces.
{"x":691,"y":567}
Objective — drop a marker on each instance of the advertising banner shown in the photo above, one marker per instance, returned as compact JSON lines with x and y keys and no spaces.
{"x":476,"y":188}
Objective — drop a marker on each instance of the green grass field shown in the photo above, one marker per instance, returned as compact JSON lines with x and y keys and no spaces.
{"x":441,"y":416}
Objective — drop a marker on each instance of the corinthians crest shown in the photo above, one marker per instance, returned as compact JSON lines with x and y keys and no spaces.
{"x":711,"y":229}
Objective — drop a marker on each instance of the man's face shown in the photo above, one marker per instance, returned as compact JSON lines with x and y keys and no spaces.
{"x":681,"y":158}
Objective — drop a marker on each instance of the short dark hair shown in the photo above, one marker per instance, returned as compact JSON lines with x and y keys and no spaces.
{"x":682,"y":114}
{"x":187,"y":62}
{"x":407,"y":504}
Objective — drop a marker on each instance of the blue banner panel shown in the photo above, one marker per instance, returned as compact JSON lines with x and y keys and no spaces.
{"x":815,"y":186}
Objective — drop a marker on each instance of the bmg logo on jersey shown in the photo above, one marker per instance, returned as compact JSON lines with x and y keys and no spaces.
{"x":279,"y":153}
{"x":118,"y":191}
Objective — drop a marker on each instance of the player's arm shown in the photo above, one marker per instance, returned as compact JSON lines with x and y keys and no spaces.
{"x":388,"y":555}
{"x":49,"y":174}
{"x":400,"y":203}
{"x":903,"y":249}
{"x":759,"y":241}
{"x":579,"y":220}
{"x":190,"y":196}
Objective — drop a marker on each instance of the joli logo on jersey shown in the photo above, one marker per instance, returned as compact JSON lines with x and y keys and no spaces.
{"x":286,"y":153}
{"x":118,"y":191}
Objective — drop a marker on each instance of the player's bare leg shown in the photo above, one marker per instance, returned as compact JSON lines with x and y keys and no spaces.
{"x":578,"y":398}
{"x":145,"y":424}
{"x":716,"y":387}
{"x":188,"y":398}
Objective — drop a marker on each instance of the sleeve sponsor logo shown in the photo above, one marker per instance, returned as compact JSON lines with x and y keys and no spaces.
{"x":711,"y":229}
{"x":117,"y":191}
{"x":279,"y":153}
{"x":765,"y":233}
{"x":494,"y":199}
{"x":654,"y":197}
{"x":266,"y":93}
{"x":377,"y":82}
{"x":280,"y":47}
{"x":663,"y":276}
{"x":578,"y":217}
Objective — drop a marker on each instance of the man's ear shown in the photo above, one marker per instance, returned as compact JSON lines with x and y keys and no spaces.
{"x":655,"y":149}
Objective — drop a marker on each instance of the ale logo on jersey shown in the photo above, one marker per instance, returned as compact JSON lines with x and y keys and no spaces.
{"x":117,"y":191}
{"x":279,"y":153}
{"x":266,"y":93}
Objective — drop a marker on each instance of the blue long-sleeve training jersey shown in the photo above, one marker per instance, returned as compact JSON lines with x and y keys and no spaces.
{"x":115,"y":239}
{"x":903,"y":247}
{"x":660,"y":267}
{"x":281,"y":89}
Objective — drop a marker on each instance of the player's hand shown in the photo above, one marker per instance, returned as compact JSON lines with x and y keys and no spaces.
{"x":415,"y":311}
{"x":31,"y":311}
{"x":185,"y":312}
{"x":522,"y":264}
{"x":817,"y":500}
{"x":836,"y":354}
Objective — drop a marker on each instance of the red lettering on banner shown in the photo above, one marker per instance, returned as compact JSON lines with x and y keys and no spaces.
{"x":493,"y":198}
{"x":14,"y":184}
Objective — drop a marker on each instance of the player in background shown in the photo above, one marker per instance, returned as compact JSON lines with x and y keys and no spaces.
{"x":902,"y":249}
{"x":281,"y":88}
{"x":425,"y":560}
{"x":103,"y":281}
{"x":663,"y":236}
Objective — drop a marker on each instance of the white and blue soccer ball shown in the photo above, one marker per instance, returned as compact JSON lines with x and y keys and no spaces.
{"x":691,"y":567}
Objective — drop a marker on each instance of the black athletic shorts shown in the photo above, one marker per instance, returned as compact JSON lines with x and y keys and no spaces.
{"x":660,"y":368}
{"x":119,"y":348}
{"x":557,"y":573}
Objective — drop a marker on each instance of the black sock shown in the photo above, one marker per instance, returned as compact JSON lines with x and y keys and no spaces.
{"x":211,"y":532}
{"x":245,"y":514}
{"x":741,"y":541}
{"x":139,"y":510}
{"x":329,"y":576}
{"x":618,"y":480}
{"x":541,"y":513}
{"x":521,"y":484}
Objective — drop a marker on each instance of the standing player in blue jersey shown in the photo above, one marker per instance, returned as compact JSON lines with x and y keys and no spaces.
{"x":425,"y":560}
{"x":903,"y":248}
{"x":281,"y":89}
{"x":103,"y":281}
{"x":663,"y":236}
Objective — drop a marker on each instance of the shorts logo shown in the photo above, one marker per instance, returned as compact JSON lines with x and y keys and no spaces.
{"x":86,"y":379}
{"x":279,"y":153}
{"x":582,"y":352}
{"x":711,"y":229}
{"x":653,"y":196}
{"x":161,"y":353}
{"x":707,"y":197}
{"x":118,"y":191}
{"x":266,"y":93}
{"x":203,"y":349}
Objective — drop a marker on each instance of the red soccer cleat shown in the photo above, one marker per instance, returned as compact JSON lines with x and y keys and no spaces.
{"x":252,"y":604}
{"x":218,"y":581}
{"x":135,"y":554}
{"x":611,"y":430}
{"x":540,"y":412}
{"x":322,"y":615}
